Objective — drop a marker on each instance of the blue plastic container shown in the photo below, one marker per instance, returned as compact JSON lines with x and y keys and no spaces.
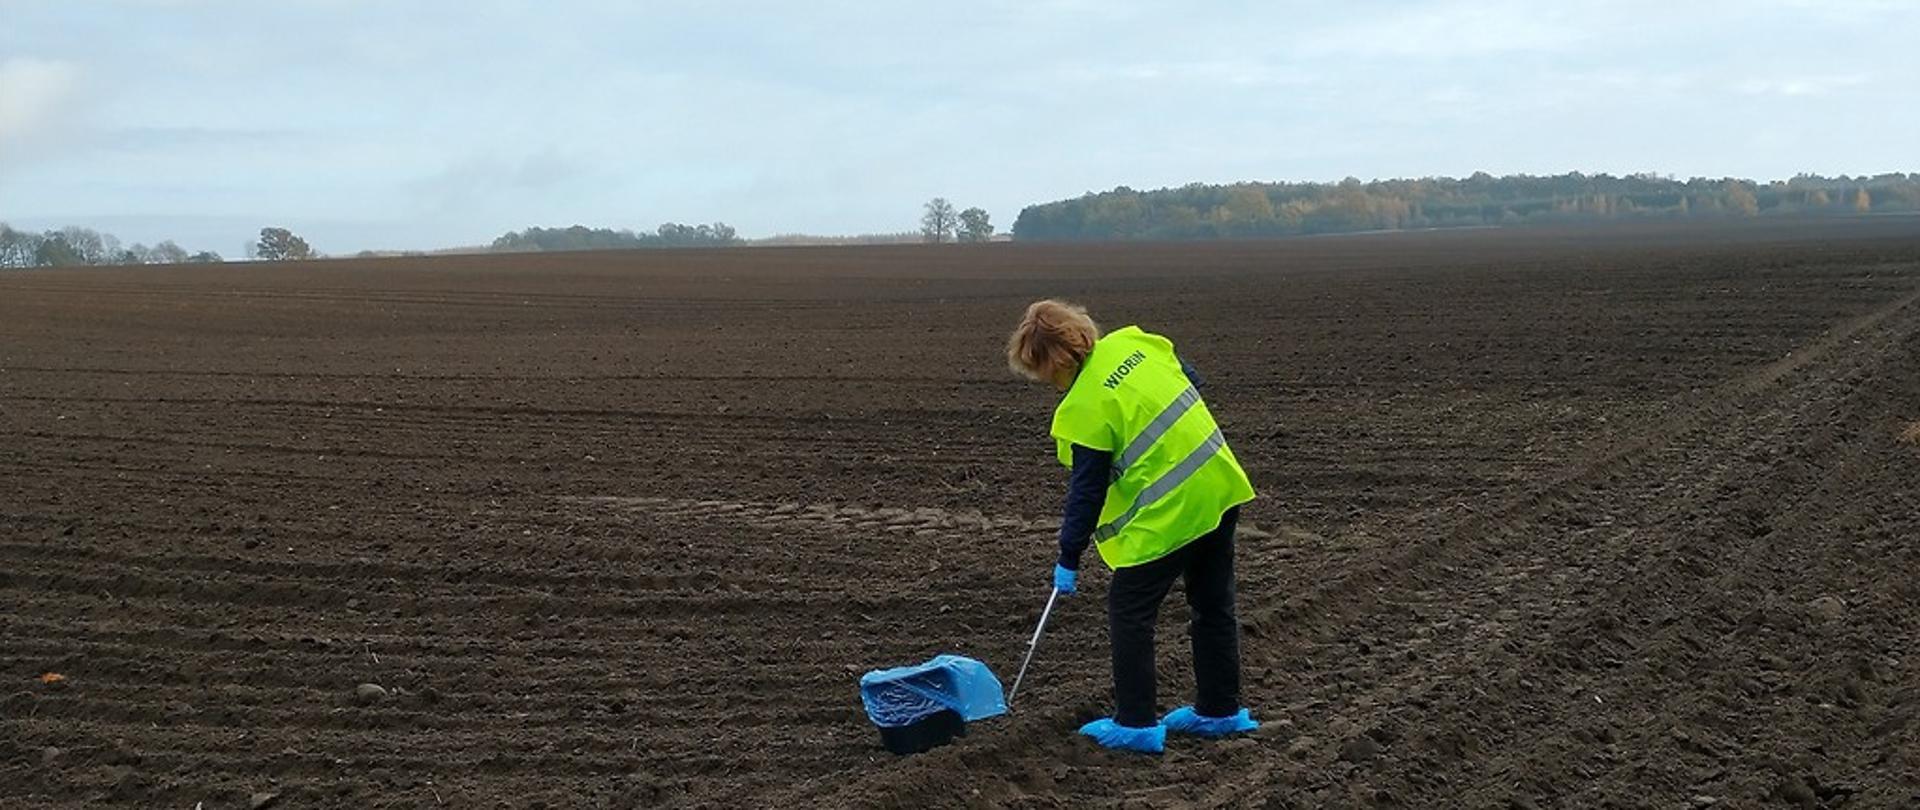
{"x":927,"y":705}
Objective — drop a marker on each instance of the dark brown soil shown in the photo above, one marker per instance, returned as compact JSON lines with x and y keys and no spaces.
{"x":1614,"y":518}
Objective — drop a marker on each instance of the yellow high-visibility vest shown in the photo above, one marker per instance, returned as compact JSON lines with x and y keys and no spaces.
{"x":1173,"y":476}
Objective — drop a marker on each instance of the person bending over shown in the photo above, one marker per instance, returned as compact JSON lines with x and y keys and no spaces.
{"x":1157,"y":492}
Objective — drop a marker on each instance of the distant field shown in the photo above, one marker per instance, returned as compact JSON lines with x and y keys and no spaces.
{"x":1585,"y":517}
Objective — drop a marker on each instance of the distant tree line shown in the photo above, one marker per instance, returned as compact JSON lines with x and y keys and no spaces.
{"x":74,"y":246}
{"x":940,"y":223}
{"x":580,"y":237}
{"x":783,"y":239}
{"x":1250,"y":210}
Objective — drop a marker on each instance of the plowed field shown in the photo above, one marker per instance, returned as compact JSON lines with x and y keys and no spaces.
{"x":1616,"y":518}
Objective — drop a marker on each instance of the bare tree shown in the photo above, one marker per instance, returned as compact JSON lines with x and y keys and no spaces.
{"x":17,"y":248}
{"x":937,"y":224}
{"x":86,"y":245}
{"x":167,"y":253}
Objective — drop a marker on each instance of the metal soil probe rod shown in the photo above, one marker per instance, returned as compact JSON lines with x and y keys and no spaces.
{"x":1032,"y":645}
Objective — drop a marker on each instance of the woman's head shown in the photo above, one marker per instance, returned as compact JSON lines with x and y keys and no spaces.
{"x":1051,"y":342}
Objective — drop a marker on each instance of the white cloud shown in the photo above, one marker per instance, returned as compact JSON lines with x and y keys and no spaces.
{"x":486,"y":179}
{"x":1847,"y":10}
{"x":1449,"y":29}
{"x":1213,"y":72}
{"x":1800,"y":85}
{"x":33,"y":92}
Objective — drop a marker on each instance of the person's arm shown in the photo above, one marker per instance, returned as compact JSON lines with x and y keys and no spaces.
{"x":1193,"y":374}
{"x":1086,"y":494}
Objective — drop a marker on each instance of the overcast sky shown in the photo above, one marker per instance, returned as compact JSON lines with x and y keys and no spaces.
{"x":430,"y":124}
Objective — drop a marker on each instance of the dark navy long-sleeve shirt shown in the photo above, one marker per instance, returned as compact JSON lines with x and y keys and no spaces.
{"x":1087,"y":493}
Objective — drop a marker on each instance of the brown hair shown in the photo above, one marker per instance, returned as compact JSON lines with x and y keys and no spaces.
{"x":1053,"y":336}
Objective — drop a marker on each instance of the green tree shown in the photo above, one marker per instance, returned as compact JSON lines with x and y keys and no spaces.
{"x":280,"y":245}
{"x":1741,"y":201}
{"x":1177,"y":222}
{"x":581,"y":237}
{"x":674,"y":234}
{"x":937,"y":224}
{"x":1249,"y":204}
{"x":1121,"y":213}
{"x":54,"y":251}
{"x":975,"y":226}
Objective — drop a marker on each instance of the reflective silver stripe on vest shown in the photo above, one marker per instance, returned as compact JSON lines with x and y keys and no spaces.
{"x":1155,"y":429}
{"x":1164,"y":485}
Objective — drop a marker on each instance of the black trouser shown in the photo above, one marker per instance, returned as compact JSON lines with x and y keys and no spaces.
{"x":1133,"y":604}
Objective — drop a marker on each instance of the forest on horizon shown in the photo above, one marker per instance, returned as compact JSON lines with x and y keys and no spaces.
{"x":1255,"y":210}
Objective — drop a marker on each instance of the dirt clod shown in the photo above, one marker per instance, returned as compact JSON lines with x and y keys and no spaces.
{"x":1302,"y":747}
{"x":367,"y":694}
{"x":262,"y":800}
{"x":1828,"y":608}
{"x":1794,"y":790}
{"x":1359,"y":749}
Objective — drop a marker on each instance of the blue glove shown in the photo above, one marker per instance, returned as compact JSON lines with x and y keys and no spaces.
{"x":1064,"y":578}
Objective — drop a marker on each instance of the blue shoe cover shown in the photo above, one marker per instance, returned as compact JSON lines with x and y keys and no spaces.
{"x":1187,"y":721}
{"x":1149,"y":740}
